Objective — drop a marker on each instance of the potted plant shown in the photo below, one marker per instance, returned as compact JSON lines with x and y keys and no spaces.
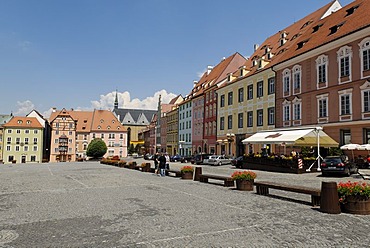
{"x":132,"y":165}
{"x":122,"y":163}
{"x":244,"y":179}
{"x":187,"y":172}
{"x":145,"y":167}
{"x":354,"y":197}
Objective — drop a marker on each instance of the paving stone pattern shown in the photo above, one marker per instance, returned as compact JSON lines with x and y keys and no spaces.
{"x":93,"y":205}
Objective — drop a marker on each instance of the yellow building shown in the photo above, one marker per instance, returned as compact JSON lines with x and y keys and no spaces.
{"x":22,"y":140}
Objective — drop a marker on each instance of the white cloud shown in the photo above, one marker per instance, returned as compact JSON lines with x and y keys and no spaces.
{"x":124,"y":100}
{"x":24,"y":108}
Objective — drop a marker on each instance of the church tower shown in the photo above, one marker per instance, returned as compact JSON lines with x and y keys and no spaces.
{"x":116,"y":101}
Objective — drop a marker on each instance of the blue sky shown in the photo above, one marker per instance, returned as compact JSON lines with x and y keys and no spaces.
{"x":76,"y":53}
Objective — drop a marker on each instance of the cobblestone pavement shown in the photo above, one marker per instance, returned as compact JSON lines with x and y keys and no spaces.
{"x":93,"y":205}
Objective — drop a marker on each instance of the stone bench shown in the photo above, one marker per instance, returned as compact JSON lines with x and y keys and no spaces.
{"x":228,"y":181}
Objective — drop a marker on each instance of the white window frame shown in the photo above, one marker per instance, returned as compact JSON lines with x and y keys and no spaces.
{"x":342,"y":53}
{"x":365,"y":89}
{"x":260,"y":88}
{"x":319,"y":98}
{"x":364,"y":46}
{"x":297,"y":106}
{"x":322,"y":60}
{"x":342,"y":93}
{"x":271,"y":116}
{"x":259,"y":114}
{"x":286,"y":113}
{"x":286,"y":82}
{"x":297,"y":73}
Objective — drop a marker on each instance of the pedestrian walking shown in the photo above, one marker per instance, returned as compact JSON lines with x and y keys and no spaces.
{"x":162,"y":165}
{"x":155,"y":158}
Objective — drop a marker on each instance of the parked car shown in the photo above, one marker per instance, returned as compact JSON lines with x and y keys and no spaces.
{"x":237,"y":162}
{"x":338,"y":165}
{"x":186,"y":159}
{"x":148,"y":156}
{"x":218,"y":160}
{"x":175,"y":158}
{"x":198,"y":159}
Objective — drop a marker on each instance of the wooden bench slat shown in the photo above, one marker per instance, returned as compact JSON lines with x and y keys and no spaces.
{"x":228,"y":181}
{"x":263,"y":189}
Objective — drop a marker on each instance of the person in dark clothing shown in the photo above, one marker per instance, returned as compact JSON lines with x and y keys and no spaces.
{"x":162,"y":165}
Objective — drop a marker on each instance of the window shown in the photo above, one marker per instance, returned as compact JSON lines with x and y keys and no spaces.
{"x":9,"y":140}
{"x":250,"y":92}
{"x":18,"y":131}
{"x":297,"y":75}
{"x":229,"y":122}
{"x":33,"y":158}
{"x":8,"y":148}
{"x":344,"y":63}
{"x":286,"y":82}
{"x":222,"y":123}
{"x":35,"y":131}
{"x":56,"y":141}
{"x":322,"y":108}
{"x":10,"y":158}
{"x":25,"y":148}
{"x":365,"y":56}
{"x":297,"y":111}
{"x":17,"y":148}
{"x":230,"y":98}
{"x":260,"y":89}
{"x":366,"y":132}
{"x":250,"y":119}
{"x":271,"y":116}
{"x":222,"y":101}
{"x":240,"y":120}
{"x":9,"y":131}
{"x":365,"y":97}
{"x":271,"y":86}
{"x":17,"y":140}
{"x":345,"y":104}
{"x":345,"y":137}
{"x":286,"y":110}
{"x":241,"y":95}
{"x":260,"y":117}
{"x":322,"y":71}
{"x":35,"y":140}
{"x":26,"y":140}
{"x":27,"y":131}
{"x":102,"y":136}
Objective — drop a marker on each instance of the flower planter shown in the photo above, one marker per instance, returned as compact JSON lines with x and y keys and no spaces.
{"x":245,"y":185}
{"x":146,"y":168}
{"x":187,"y":175}
{"x":356,"y":205}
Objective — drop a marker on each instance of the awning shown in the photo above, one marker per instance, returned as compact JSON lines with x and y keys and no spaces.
{"x":296,"y":137}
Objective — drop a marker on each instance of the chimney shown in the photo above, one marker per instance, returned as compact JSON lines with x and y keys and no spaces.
{"x":209,"y":69}
{"x":223,"y":58}
{"x":54,"y":109}
{"x":195,"y":82}
{"x":255,"y":47}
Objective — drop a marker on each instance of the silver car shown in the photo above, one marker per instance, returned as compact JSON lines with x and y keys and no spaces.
{"x":218,"y":160}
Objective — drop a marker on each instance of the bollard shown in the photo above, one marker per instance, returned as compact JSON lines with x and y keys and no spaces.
{"x":329,"y":198}
{"x":198,"y":172}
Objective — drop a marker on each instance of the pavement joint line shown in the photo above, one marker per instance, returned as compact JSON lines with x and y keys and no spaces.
{"x":51,"y":173}
{"x":74,"y":179}
{"x":194,"y":235}
{"x":209,"y":200}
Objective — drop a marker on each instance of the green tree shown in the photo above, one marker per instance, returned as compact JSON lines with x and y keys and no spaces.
{"x":97,"y":148}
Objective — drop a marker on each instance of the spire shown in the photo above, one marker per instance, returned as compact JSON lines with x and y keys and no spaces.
{"x":116,"y":101}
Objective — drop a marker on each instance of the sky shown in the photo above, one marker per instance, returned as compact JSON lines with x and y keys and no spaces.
{"x":78,"y":53}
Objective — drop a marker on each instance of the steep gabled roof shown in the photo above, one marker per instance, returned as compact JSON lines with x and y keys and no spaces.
{"x":104,"y":120}
{"x":349,"y":19}
{"x":218,"y":73}
{"x":23,"y":122}
{"x":291,"y":35}
{"x":135,"y":113}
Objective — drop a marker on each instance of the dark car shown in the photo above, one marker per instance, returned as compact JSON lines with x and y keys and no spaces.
{"x":338,"y":165}
{"x":186,"y":159}
{"x":237,"y":162}
{"x":198,"y":159}
{"x":175,"y":158}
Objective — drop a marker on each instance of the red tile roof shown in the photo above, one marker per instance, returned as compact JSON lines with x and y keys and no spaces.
{"x":23,"y":122}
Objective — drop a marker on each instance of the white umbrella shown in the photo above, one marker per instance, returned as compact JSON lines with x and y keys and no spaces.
{"x":365,"y":147}
{"x":351,"y":147}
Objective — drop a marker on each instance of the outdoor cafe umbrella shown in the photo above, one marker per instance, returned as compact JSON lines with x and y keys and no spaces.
{"x":351,"y":147}
{"x":365,"y":147}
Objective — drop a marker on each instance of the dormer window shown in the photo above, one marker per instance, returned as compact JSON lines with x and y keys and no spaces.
{"x":306,"y":24}
{"x":335,"y":28}
{"x":19,"y":121}
{"x":267,"y":49}
{"x":351,"y":10}
{"x":316,"y":28}
{"x":28,"y":122}
{"x":301,"y":44}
